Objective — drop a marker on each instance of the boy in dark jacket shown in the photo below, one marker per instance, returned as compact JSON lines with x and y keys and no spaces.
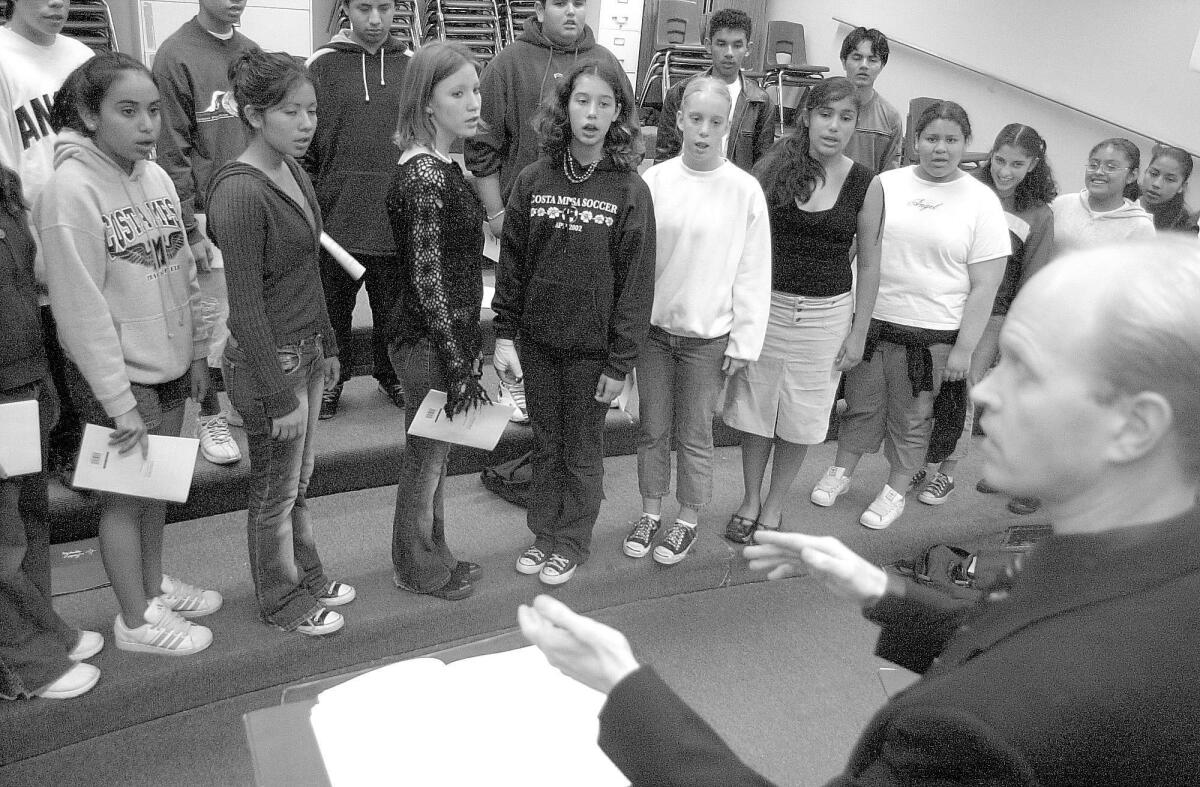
{"x":357,"y":76}
{"x":752,"y":121}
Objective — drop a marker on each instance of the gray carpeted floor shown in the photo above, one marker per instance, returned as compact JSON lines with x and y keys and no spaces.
{"x":719,"y":636}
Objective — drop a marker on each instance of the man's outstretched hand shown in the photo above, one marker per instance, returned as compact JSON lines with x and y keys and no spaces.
{"x":592,"y":653}
{"x":839,"y":568}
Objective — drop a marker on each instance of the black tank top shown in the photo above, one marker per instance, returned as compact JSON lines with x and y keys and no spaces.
{"x":810,"y":251}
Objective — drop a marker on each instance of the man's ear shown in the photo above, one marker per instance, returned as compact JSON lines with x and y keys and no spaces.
{"x":1147,"y":423}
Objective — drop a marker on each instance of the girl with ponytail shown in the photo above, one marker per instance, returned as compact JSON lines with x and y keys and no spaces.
{"x":281,"y":353}
{"x":820,"y":204}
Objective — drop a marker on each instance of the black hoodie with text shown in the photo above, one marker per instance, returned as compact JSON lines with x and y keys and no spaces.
{"x":352,"y":156}
{"x":576,"y":268}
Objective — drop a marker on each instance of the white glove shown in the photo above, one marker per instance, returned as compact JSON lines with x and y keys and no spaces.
{"x":507,"y":364}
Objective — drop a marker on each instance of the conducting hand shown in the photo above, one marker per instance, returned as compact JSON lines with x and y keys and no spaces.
{"x":202,"y":253}
{"x":288,"y":427}
{"x":581,"y":648}
{"x":496,"y":225}
{"x":130,"y":433}
{"x":731,"y":366}
{"x":506,"y":362}
{"x":608,"y":389}
{"x":839,"y":568}
{"x":200,"y":380}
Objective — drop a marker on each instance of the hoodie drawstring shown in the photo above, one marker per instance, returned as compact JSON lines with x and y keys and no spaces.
{"x":366,"y":92}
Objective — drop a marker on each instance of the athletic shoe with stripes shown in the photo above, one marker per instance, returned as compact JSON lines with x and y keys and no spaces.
{"x":164,"y":633}
{"x":187,"y":600}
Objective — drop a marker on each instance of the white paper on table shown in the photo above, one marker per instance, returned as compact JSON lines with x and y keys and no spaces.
{"x":481,"y":430}
{"x":404,"y":724}
{"x":166,"y":473}
{"x":20,"y":439}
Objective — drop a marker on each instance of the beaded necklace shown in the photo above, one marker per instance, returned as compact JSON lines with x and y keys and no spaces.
{"x":571,"y":173}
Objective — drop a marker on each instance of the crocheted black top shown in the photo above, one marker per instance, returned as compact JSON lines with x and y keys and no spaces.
{"x":437,"y":221}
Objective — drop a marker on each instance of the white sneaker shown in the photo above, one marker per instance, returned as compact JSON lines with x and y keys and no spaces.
{"x":188,"y":600}
{"x":75,"y":681}
{"x":90,"y":643}
{"x":514,"y":397}
{"x":216,"y":444}
{"x":323,"y":621}
{"x":885,"y":509}
{"x":164,"y":632}
{"x":833,"y":483}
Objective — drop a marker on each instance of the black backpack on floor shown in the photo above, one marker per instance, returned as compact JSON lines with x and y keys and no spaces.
{"x":510,"y":480}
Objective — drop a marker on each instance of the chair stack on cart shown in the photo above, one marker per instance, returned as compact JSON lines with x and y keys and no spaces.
{"x":678,"y":51}
{"x":475,"y":23}
{"x":515,"y":12}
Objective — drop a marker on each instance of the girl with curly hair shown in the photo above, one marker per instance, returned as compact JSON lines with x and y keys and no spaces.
{"x":574,"y":290}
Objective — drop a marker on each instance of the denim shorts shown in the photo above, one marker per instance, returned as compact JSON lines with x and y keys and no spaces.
{"x":153,"y":399}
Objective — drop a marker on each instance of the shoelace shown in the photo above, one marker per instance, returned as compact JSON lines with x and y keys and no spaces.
{"x":218,"y":430}
{"x":558,"y":563}
{"x":675,"y":537}
{"x":642,"y":531}
{"x":535,"y":554}
{"x":938,"y":486}
{"x":171,"y":622}
{"x":185,"y":594}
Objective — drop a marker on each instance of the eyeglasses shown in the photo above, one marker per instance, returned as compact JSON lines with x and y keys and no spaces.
{"x":1107,"y":166}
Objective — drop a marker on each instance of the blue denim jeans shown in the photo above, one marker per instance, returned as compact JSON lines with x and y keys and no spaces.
{"x":34,"y":640}
{"x":568,"y":462}
{"x":284,"y":564}
{"x":679,"y":384}
{"x":420,"y":556}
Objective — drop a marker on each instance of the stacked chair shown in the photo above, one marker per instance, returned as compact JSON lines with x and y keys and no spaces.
{"x":786,"y":73}
{"x":515,"y":12}
{"x":678,"y":51}
{"x":475,"y":23}
{"x":89,"y":21}
{"x":404,"y":22}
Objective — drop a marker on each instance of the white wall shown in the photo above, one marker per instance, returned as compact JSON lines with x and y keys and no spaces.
{"x":1123,"y":60}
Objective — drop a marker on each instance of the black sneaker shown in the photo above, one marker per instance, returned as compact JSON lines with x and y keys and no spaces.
{"x":675,"y":545}
{"x":456,"y":588}
{"x":393,"y":390}
{"x":329,"y":402}
{"x":473,"y":571}
{"x":637,"y":543}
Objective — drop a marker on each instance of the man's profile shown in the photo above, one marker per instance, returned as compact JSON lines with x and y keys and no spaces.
{"x":1084,"y":671}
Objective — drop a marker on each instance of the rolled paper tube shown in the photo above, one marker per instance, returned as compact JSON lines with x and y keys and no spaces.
{"x":343,"y":257}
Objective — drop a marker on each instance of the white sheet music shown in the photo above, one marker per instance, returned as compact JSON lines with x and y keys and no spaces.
{"x":480,"y":428}
{"x":20,"y":439}
{"x":165,"y":473}
{"x":504,"y":718}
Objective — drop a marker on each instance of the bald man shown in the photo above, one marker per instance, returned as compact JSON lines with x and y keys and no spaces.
{"x":1087,"y":670}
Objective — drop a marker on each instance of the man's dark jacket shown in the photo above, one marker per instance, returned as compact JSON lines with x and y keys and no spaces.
{"x":1087,"y":673}
{"x":751,"y":132}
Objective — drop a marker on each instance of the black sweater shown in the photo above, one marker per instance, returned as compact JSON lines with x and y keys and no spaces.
{"x":577,"y":260}
{"x":437,"y":223}
{"x":22,"y":352}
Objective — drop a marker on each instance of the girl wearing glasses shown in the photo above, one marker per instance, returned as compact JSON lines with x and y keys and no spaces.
{"x":1104,"y":211}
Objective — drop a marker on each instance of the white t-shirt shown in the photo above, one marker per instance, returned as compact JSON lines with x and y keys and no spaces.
{"x":30,"y":75}
{"x":932,"y":232}
{"x":713,"y":270}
